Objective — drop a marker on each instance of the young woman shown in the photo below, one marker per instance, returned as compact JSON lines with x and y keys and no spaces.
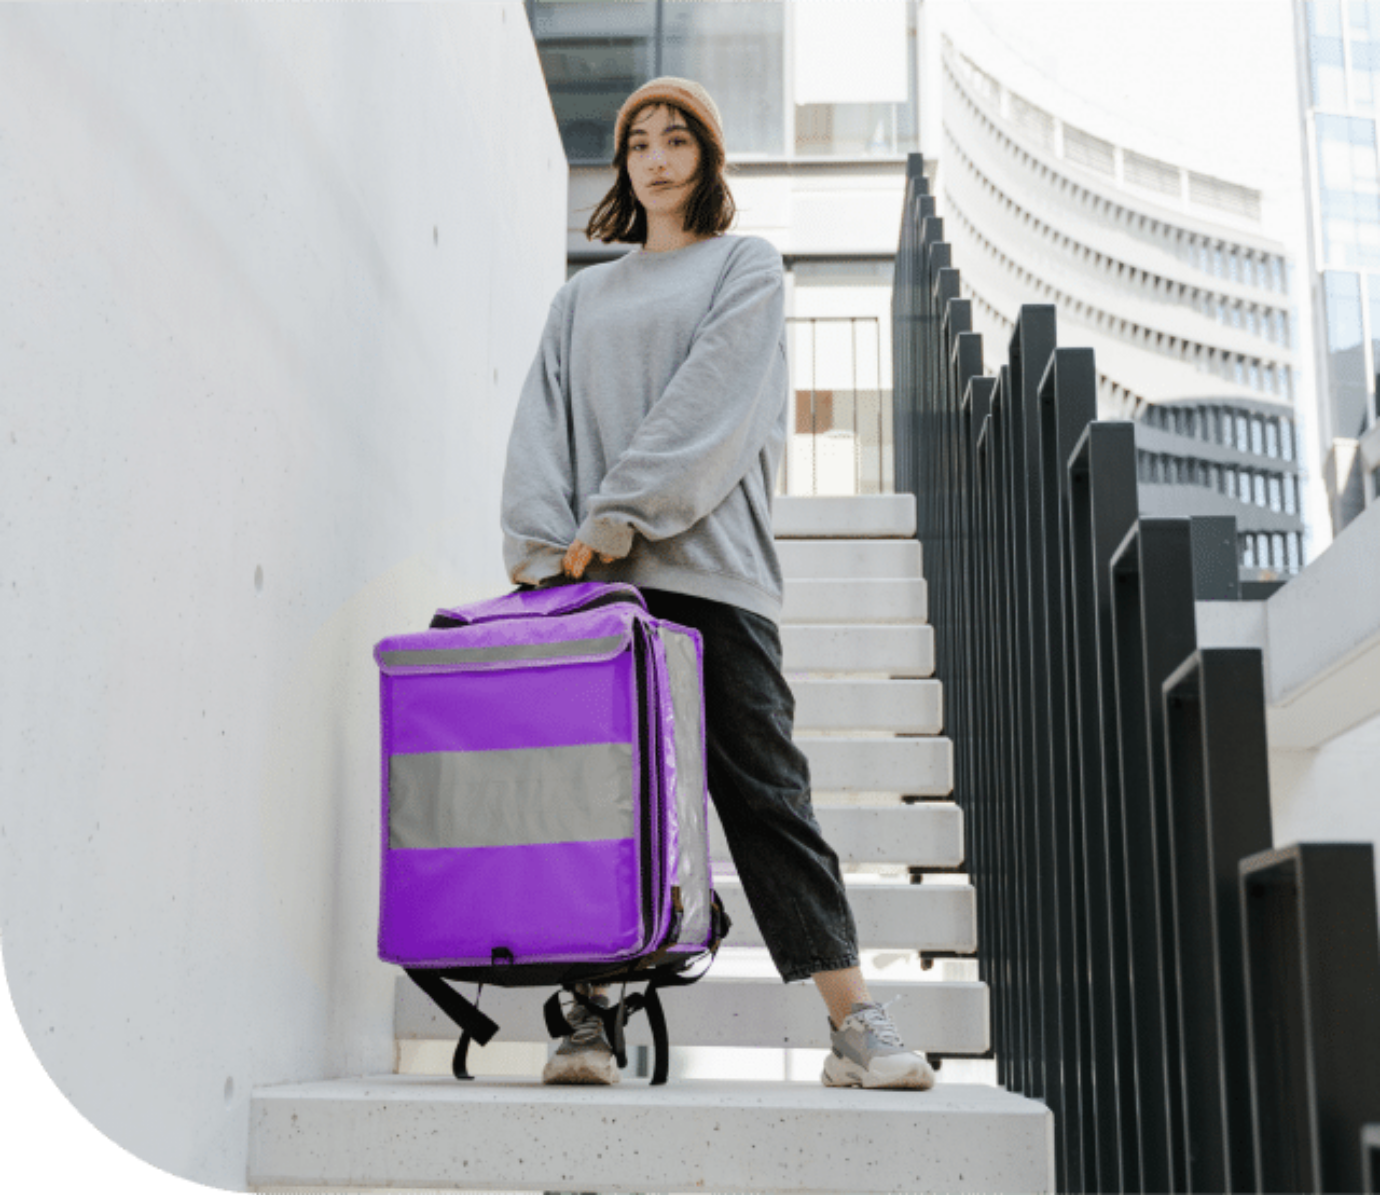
{"x":645,"y":449}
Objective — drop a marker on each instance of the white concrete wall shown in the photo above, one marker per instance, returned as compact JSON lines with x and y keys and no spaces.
{"x":271,"y":278}
{"x":1320,"y":636}
{"x":1330,"y":793}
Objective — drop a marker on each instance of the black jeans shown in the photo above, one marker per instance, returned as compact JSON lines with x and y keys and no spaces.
{"x":759,"y":781}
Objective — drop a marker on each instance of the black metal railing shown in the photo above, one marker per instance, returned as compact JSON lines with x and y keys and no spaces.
{"x":1200,"y":1011}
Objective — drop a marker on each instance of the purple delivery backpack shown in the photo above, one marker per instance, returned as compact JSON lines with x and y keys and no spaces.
{"x":545,"y":805}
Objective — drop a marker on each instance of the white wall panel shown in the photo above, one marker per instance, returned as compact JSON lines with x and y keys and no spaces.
{"x":272,"y":279}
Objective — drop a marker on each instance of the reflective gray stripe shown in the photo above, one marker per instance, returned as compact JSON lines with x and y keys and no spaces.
{"x":692,"y":868}
{"x":510,"y":798}
{"x":508,"y":651}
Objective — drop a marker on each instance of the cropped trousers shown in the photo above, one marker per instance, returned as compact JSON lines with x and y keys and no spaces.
{"x":759,"y":781}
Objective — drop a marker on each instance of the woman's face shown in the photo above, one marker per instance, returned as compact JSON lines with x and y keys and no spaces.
{"x":663,"y":159}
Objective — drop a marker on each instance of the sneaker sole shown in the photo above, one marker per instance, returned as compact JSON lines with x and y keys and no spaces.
{"x":581,"y":1068}
{"x":842,"y":1072}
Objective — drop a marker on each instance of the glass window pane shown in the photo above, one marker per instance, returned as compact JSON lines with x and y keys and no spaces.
{"x":1349,"y":392}
{"x":736,"y":52}
{"x":593,"y":57}
{"x":1349,"y":191}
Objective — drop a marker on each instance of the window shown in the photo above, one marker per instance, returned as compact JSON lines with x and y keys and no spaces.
{"x":1154,"y":175}
{"x":1326,"y":65}
{"x":1290,"y":505}
{"x":1257,"y":436}
{"x":1347,"y":383}
{"x":1272,"y":437}
{"x":594,"y":54}
{"x":1365,"y":56}
{"x":1349,"y":191}
{"x":1089,"y":151}
{"x":1276,"y":498}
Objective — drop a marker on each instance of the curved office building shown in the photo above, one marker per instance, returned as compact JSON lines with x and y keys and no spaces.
{"x":1163,"y":271}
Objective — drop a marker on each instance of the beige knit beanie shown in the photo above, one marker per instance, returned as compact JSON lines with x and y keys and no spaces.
{"x":684,"y":93}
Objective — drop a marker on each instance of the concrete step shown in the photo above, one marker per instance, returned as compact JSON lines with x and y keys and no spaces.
{"x":921,"y":767}
{"x":893,"y":601}
{"x":948,"y":1017}
{"x":925,"y":917}
{"x":895,"y":649}
{"x":901,"y":706}
{"x":926,"y":834}
{"x":510,"y":1134}
{"x":849,"y":559}
{"x":866,"y":516}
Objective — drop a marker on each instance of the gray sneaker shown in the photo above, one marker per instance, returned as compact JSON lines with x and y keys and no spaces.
{"x":585,"y":1054}
{"x":868,"y":1052}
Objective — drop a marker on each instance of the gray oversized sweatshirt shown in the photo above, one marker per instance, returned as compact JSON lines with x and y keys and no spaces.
{"x":652,"y":422}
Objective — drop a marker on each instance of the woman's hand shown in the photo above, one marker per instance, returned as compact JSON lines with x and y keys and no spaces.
{"x":577,"y":558}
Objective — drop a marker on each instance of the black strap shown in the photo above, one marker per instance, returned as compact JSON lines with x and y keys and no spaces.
{"x":473,"y":1022}
{"x":556,"y":1024}
{"x":661,"y":1043}
{"x":719,"y":920}
{"x":457,"y":1060}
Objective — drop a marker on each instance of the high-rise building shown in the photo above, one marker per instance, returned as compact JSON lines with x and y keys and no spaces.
{"x":1168,"y":273}
{"x":1175,"y":276}
{"x":1339,"y":74}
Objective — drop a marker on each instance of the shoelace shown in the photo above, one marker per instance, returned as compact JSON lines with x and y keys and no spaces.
{"x":585,"y":1025}
{"x":876,"y":1018}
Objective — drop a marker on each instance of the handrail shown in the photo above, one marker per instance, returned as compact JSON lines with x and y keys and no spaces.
{"x":1113,"y":776}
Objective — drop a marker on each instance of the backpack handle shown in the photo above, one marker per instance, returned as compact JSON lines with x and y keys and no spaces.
{"x":550,"y":602}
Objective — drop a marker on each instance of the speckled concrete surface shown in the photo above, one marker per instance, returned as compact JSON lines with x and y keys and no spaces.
{"x":515,"y":1134}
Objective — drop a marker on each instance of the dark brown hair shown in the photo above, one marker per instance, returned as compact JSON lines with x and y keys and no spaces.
{"x":709,"y":210}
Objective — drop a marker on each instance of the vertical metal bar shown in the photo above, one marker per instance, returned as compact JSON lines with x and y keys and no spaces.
{"x":881,"y":430}
{"x":857,"y":444}
{"x":1045,"y":633}
{"x":1156,"y":629}
{"x":1032,"y":341}
{"x":1103,"y":503}
{"x":973,"y":727}
{"x":814,"y":419}
{"x":1067,"y":397}
{"x":1313,"y":968}
{"x":1219,"y":790}
{"x":1016,"y":1007}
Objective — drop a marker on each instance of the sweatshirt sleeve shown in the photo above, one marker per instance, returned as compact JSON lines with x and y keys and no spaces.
{"x":704,"y":433}
{"x":537,"y":511}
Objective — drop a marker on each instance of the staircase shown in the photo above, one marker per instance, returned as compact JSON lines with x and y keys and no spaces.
{"x":859,"y":657}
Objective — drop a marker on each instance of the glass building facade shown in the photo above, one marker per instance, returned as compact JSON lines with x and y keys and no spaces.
{"x":787,"y":81}
{"x":1343,"y":104}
